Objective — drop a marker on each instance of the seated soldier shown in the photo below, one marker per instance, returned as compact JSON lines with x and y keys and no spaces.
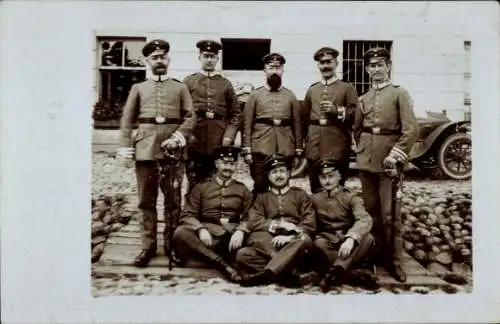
{"x":212,"y":222}
{"x":281,"y":221}
{"x":343,"y":237}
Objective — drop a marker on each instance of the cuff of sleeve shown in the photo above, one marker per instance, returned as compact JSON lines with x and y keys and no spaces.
{"x":177,"y":136}
{"x":398,"y":154}
{"x":243,"y":228}
{"x":354,"y":236}
{"x":246,"y":150}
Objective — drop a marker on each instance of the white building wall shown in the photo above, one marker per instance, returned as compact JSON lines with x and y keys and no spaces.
{"x":428,"y":38}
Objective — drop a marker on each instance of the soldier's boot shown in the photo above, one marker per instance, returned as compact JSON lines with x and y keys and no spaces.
{"x":228,"y":271}
{"x":263,"y":277}
{"x":144,"y":257}
{"x":363,"y":278}
{"x":333,"y":277}
{"x":397,"y":272}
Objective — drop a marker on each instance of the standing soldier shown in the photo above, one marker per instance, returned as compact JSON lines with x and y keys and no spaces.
{"x":282,"y":221}
{"x":213,"y":219}
{"x":385,"y":131}
{"x":328,"y":117}
{"x":217,"y":110}
{"x":271,"y":122}
{"x":162,"y":107}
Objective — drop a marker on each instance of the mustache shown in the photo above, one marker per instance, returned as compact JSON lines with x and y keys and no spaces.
{"x":280,"y":179}
{"x":326,"y":69}
{"x":160,"y":65}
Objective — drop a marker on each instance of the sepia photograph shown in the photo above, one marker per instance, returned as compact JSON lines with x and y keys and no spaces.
{"x":324,"y":159}
{"x":249,"y":161}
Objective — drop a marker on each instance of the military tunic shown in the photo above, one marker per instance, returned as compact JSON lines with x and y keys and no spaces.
{"x":261,"y":137}
{"x":332,"y":140}
{"x":171,"y":100}
{"x":218,"y":206}
{"x":340,"y":215}
{"x":289,"y":204}
{"x":385,"y":125}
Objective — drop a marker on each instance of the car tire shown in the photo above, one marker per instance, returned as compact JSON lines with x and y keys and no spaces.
{"x":444,"y":150}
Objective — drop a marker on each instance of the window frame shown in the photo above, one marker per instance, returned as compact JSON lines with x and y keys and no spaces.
{"x":350,"y":63}
{"x":262,"y":42}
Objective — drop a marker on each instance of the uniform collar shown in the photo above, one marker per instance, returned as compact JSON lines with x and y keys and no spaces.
{"x":221,"y":182}
{"x":329,"y":81}
{"x":378,"y":86}
{"x":280,"y":192}
{"x":210,"y":74}
{"x":159,"y":78}
{"x":333,"y":193}
{"x":269,"y":88}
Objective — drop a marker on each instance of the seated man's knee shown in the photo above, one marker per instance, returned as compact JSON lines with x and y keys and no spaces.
{"x":244,"y":253}
{"x":321,"y":243}
{"x":182,"y":233}
{"x":306,"y":241}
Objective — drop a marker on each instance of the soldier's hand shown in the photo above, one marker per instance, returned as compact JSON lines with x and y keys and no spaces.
{"x":280,"y":240}
{"x":226,"y":141}
{"x":389,"y":162}
{"x":288,"y":226}
{"x":236,"y":240}
{"x":126,"y":152}
{"x":248,"y":158}
{"x":205,"y":237}
{"x":346,"y":248}
{"x":169,"y":144}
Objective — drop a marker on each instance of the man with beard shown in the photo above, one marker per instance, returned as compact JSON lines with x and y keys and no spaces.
{"x":281,"y":221}
{"x":213,"y":223}
{"x":271,"y":122}
{"x":328,"y":116}
{"x":217,"y":109}
{"x":385,"y":130}
{"x":343,"y":236}
{"x":162,"y":107}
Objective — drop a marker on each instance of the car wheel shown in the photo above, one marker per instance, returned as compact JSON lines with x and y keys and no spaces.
{"x":455,"y":157}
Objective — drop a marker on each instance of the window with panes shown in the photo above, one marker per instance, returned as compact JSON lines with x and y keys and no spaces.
{"x":353,"y":67}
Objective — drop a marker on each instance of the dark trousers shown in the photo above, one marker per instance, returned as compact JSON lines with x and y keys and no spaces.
{"x":167,"y":175}
{"x":260,"y":254}
{"x":258,"y":173}
{"x":189,"y":246}
{"x":313,"y":175}
{"x":199,"y":167}
{"x":330,"y":250}
{"x":387,"y":229}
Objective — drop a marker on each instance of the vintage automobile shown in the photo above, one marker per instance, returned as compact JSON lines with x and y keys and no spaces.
{"x":442,"y":145}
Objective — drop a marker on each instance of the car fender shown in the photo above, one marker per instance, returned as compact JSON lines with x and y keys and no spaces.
{"x":427,"y":144}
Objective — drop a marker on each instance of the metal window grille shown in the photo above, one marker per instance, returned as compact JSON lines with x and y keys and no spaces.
{"x":353,"y":66}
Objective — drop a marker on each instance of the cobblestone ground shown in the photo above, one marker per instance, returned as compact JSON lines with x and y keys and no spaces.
{"x":137,"y":285}
{"x":109,"y":177}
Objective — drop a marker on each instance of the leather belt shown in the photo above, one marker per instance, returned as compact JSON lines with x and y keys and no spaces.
{"x":154,"y":121}
{"x":209,"y":115}
{"x":274,"y":122}
{"x":380,"y":131}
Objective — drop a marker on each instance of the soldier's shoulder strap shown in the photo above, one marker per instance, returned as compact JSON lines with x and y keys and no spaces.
{"x":176,"y":80}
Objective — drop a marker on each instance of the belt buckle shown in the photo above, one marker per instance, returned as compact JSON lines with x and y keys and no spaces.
{"x":210,"y":114}
{"x":376,"y":130}
{"x":277,"y":122}
{"x":160,"y":119}
{"x":341,"y":113}
{"x":322,"y":121}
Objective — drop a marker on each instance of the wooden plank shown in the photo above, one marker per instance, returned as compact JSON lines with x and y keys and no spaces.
{"x":106,"y":270}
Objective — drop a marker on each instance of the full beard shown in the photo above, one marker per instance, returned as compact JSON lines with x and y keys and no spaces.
{"x":274,"y":82}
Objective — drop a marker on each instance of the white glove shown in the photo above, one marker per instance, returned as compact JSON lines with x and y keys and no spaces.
{"x":126,"y":152}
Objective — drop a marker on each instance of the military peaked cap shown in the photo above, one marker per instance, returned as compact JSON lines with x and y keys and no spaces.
{"x":326,"y":166}
{"x":325,"y":51}
{"x":377,"y":52}
{"x":274,"y":58}
{"x":277,"y":160}
{"x":208,"y":45}
{"x":154,"y":45}
{"x":226,"y":152}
